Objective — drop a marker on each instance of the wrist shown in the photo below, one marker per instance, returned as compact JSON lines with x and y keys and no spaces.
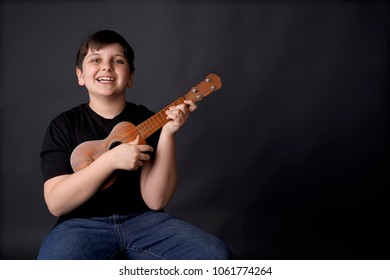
{"x":168,"y":131}
{"x":108,"y":160}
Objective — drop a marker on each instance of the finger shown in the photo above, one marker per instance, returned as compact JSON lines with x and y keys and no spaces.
{"x":182,"y":107}
{"x":186,"y":108}
{"x":172,"y":114}
{"x":191,"y":105}
{"x":144,"y":157}
{"x":183,"y":114}
{"x":145,"y":148}
{"x":178,"y":108}
{"x":177,"y":117}
{"x":137,"y":164}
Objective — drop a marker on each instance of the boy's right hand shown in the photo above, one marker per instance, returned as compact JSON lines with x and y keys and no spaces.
{"x":130,"y":156}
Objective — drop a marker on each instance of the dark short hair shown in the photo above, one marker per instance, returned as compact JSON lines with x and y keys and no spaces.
{"x":100,"y":39}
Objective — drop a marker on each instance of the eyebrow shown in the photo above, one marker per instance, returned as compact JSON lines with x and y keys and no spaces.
{"x":98,"y":54}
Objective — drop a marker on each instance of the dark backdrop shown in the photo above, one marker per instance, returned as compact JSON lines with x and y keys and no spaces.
{"x":289,"y":160}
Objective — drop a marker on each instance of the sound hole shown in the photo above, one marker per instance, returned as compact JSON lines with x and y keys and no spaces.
{"x":115,"y":144}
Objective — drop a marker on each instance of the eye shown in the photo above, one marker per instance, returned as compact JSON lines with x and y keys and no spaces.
{"x":95,"y":60}
{"x":119,"y":61}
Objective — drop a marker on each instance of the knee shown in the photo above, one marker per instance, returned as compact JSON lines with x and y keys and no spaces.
{"x":215,"y":249}
{"x":221,"y":251}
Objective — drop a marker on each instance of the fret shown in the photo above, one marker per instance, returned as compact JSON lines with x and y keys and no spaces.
{"x":157,"y":121}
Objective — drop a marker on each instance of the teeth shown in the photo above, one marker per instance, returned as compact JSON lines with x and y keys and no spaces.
{"x":105,"y":79}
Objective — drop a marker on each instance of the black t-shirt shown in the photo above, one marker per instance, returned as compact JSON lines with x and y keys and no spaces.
{"x":81,"y":124}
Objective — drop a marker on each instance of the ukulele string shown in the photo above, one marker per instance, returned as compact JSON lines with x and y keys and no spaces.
{"x":151,"y":125}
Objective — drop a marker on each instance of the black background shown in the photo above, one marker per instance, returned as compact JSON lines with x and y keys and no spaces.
{"x":289,"y":160}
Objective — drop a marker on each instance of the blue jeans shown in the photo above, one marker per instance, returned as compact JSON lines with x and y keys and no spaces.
{"x":150,"y":235}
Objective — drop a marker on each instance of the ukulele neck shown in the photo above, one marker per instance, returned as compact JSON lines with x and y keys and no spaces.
{"x":157,"y":121}
{"x":197,"y":93}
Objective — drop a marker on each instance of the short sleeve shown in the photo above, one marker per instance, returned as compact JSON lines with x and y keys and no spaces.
{"x":56,"y":150}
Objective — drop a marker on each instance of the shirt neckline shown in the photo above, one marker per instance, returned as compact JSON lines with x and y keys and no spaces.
{"x":89,"y":109}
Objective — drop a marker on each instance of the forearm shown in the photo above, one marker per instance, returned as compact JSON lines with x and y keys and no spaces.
{"x":159,"y":179}
{"x":67,"y":192}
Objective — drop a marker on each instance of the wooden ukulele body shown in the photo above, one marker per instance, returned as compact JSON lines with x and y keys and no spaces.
{"x":87,"y":152}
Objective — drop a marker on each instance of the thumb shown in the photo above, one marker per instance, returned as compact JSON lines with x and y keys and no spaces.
{"x":135,"y":141}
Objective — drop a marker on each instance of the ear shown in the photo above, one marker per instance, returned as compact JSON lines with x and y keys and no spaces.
{"x":130,"y":81}
{"x":80,"y":76}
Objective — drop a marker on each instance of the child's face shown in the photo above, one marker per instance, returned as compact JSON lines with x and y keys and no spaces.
{"x":106,"y":72}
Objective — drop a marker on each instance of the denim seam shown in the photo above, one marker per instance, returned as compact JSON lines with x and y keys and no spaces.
{"x":130,"y":248}
{"x":118,"y":232}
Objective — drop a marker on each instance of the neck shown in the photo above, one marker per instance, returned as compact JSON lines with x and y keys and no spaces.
{"x":108,"y":109}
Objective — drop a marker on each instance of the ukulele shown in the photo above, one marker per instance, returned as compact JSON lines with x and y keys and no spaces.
{"x":124,"y":132}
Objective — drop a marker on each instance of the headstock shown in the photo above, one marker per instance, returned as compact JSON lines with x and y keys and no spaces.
{"x":210,"y":84}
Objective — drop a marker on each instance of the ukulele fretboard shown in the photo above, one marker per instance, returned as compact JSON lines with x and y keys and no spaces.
{"x":157,"y":121}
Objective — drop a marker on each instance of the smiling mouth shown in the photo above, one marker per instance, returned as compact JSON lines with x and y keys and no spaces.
{"x":105,"y":79}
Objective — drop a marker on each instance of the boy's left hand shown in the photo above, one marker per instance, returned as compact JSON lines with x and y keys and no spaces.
{"x":179,"y":115}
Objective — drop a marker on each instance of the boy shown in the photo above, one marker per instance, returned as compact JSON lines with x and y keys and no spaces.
{"x":125,"y":220}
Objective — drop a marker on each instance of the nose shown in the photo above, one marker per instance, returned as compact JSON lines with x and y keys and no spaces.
{"x":107,"y":67}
